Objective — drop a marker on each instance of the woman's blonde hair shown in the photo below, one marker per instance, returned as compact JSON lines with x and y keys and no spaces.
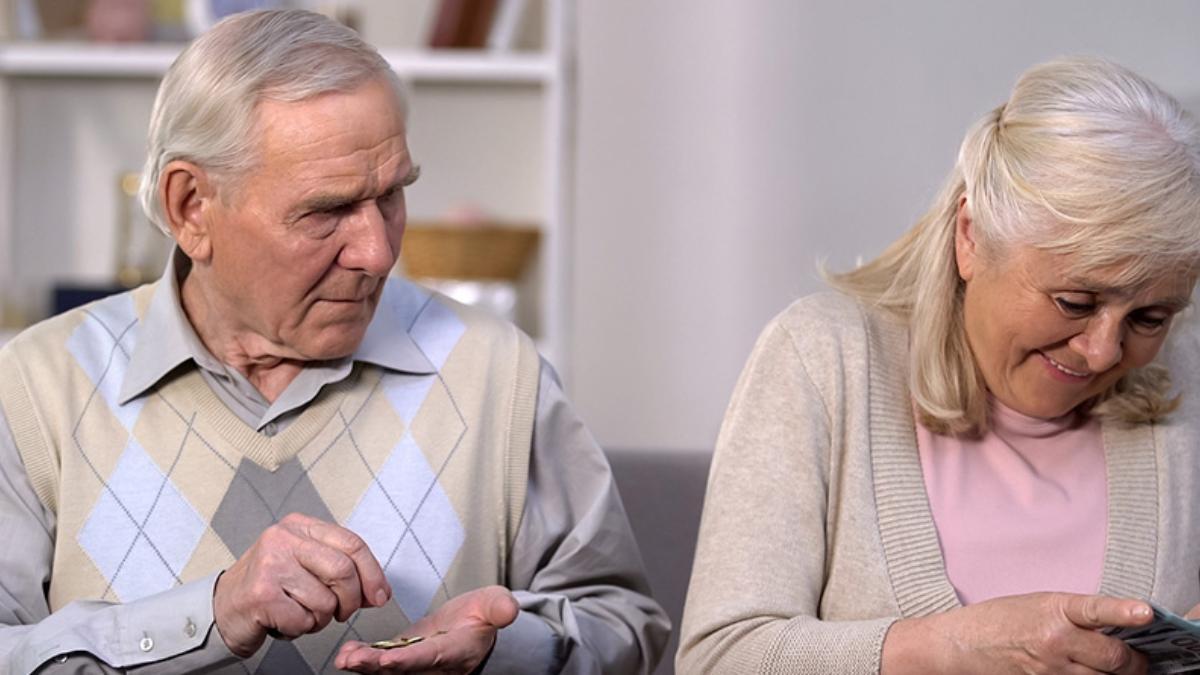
{"x":1086,"y":158}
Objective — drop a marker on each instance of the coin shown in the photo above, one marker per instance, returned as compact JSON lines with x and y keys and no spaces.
{"x":397,"y":643}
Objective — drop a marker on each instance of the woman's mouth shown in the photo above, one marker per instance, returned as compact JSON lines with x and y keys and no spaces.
{"x":1060,"y":368}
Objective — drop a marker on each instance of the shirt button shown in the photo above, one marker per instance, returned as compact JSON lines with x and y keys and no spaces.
{"x":190,"y":629}
{"x":61,"y":658}
{"x":270,"y":429}
{"x":146,"y":644}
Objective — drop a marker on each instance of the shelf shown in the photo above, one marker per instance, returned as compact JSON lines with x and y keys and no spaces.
{"x":74,"y":59}
{"x":84,"y":106}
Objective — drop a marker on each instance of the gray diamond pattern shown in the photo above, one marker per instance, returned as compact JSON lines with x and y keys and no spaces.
{"x":283,"y":659}
{"x":258,"y":498}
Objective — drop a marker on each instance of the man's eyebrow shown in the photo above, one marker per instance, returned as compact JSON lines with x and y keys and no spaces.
{"x":332,"y":202}
{"x":319,"y":203}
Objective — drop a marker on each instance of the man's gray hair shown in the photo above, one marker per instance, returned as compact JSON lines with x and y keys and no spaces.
{"x":205,"y":108}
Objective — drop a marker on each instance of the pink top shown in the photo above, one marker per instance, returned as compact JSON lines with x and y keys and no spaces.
{"x":1023,"y":509}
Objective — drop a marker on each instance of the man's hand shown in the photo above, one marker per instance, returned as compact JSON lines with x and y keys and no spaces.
{"x":299,"y":575}
{"x":1036,"y":633}
{"x":457,"y":637}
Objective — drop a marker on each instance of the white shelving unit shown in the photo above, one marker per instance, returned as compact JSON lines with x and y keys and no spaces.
{"x":73,"y":59}
{"x":491,"y":77}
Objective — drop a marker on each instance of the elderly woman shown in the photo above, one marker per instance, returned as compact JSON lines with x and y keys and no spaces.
{"x":972,"y":458}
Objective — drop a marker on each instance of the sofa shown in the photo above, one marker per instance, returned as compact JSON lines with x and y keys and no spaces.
{"x":663,"y":492}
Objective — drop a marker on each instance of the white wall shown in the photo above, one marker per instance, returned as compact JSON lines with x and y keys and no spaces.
{"x":724,"y":147}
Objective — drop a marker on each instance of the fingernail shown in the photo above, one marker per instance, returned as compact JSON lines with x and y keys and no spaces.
{"x":381,"y":598}
{"x":1142,"y":612}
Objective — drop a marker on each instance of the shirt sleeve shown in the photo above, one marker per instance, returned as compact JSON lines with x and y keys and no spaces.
{"x":168,"y":632}
{"x":576,"y":570}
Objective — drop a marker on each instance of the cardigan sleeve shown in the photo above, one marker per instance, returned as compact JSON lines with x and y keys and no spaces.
{"x":753,"y":604}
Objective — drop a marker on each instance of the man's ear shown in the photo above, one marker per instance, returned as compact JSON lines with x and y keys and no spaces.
{"x":965,"y":250}
{"x":188,"y":194}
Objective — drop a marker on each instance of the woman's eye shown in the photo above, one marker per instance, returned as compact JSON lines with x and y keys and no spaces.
{"x":1148,"y":322}
{"x":1074,"y":309}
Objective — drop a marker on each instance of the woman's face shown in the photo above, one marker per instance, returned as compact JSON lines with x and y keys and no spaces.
{"x":1046,"y":339}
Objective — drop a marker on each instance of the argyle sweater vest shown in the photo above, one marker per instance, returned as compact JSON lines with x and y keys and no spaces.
{"x":430,"y":470}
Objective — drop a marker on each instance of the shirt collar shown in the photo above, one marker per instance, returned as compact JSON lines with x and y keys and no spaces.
{"x":387,"y":342}
{"x":166,"y":338}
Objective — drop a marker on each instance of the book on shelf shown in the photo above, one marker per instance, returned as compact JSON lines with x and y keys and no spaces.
{"x":462,"y":24}
{"x":475,"y":24}
{"x":506,"y":26}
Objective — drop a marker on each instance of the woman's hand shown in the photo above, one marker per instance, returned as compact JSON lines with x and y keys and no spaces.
{"x":1037,"y":633}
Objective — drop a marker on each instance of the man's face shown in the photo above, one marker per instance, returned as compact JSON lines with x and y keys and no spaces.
{"x":302,"y":244}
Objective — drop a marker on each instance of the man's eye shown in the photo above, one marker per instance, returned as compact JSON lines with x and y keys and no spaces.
{"x":1074,"y":309}
{"x":320,"y":224}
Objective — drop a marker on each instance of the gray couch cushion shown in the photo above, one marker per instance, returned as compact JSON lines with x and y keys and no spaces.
{"x":663,"y":491}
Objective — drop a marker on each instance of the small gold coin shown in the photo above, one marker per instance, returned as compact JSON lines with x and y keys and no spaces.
{"x":397,"y":643}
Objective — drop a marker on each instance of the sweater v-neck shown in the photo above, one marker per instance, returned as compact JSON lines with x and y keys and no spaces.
{"x":191,"y":392}
{"x":913,"y":554}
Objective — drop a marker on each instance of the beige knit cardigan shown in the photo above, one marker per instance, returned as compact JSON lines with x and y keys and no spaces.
{"x":817,"y":533}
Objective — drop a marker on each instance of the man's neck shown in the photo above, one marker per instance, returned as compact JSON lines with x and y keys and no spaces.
{"x":252,"y":355}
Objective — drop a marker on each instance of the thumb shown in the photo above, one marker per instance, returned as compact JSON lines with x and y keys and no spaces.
{"x":1098,"y":611}
{"x":499,"y":606}
{"x":1193,"y":613}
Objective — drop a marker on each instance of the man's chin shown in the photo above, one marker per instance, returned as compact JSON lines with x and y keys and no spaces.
{"x":332,"y":342}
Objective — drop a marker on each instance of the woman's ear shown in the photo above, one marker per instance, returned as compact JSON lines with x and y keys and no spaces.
{"x":965,"y":250}
{"x":187,"y":196}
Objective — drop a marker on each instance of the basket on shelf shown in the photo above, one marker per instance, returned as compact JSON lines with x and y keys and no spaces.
{"x":452,"y":251}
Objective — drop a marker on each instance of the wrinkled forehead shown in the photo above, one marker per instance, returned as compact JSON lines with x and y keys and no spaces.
{"x":1130,"y":269}
{"x":1131,"y":275}
{"x":282,"y":123}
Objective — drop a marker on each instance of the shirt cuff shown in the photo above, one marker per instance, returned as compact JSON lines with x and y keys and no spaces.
{"x":527,"y":645}
{"x":155,"y":628}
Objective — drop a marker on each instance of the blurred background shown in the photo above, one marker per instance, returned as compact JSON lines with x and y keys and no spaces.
{"x":660,"y":178}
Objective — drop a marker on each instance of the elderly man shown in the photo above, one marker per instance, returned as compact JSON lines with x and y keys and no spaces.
{"x":276,"y":455}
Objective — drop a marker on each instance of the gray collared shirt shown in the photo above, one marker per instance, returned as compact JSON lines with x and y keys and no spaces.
{"x":569,"y":621}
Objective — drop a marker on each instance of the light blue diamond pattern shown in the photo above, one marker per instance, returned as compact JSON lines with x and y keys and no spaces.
{"x":414,"y":582}
{"x":137,"y":493}
{"x":94,"y":348}
{"x":439,"y":530}
{"x":406,"y":393}
{"x":107,"y":535}
{"x":406,"y":298}
{"x":142,"y":574}
{"x":413,"y":560}
{"x":437,"y":331}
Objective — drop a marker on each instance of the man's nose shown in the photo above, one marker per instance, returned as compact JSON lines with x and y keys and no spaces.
{"x":1100,"y":343}
{"x":370,"y":247}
